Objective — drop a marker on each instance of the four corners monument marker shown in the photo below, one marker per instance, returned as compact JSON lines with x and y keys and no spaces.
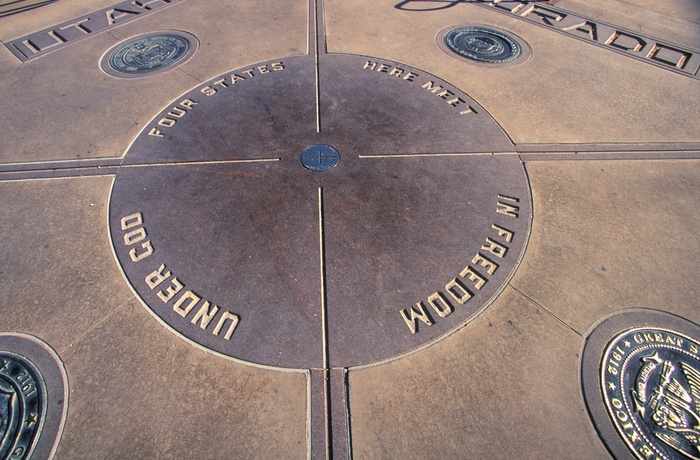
{"x":340,"y":194}
{"x":331,"y":213}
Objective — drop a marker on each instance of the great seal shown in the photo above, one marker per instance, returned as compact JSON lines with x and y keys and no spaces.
{"x":149,"y":53}
{"x":483,"y":44}
{"x":640,"y":378}
{"x":22,"y":405}
{"x":651,"y":386}
{"x":33,"y":397}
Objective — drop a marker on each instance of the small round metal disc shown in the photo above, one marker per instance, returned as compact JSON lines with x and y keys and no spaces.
{"x":641,"y":381}
{"x":149,"y":53}
{"x":319,"y":158}
{"x":483,"y":45}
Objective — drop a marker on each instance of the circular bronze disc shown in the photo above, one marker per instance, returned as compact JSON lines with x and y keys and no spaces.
{"x":230,"y":240}
{"x":33,"y":397}
{"x":148,"y":54}
{"x":483,"y":45}
{"x":641,"y":382}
